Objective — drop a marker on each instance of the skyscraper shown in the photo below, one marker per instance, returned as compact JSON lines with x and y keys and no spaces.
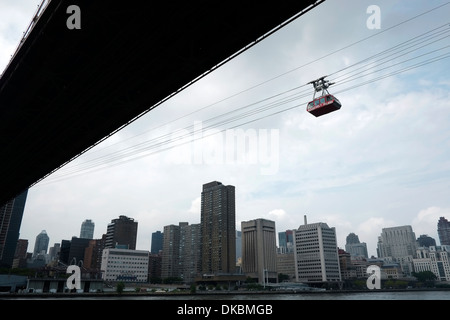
{"x":157,"y":242}
{"x":443,"y":229}
{"x":316,"y":253}
{"x":11,"y":215}
{"x":355,"y":248}
{"x":181,"y":254}
{"x":259,"y":250}
{"x":285,"y":241}
{"x":87,"y":229}
{"x":398,"y":245}
{"x":41,"y":243}
{"x":122,"y":232}
{"x":425,"y":240}
{"x":20,"y":257}
{"x":218,"y":228}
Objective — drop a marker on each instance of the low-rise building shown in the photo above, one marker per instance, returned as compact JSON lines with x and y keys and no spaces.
{"x":125,"y":265}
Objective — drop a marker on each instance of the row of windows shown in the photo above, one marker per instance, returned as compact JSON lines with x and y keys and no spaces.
{"x":126,"y":266}
{"x":128,"y":262}
{"x":110,"y":257}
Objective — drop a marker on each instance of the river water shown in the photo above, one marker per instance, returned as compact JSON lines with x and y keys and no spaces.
{"x":327,"y":295}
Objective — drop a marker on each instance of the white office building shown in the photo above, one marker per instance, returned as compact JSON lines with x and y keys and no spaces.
{"x":125,"y":265}
{"x":399,"y":245}
{"x":316,"y":254}
{"x":435,"y":259}
{"x":259,"y":250}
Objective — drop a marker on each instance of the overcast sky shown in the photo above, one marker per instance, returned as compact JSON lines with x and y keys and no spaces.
{"x":382,"y":160}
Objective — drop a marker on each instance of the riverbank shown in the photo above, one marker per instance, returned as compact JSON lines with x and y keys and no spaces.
{"x":212,"y":293}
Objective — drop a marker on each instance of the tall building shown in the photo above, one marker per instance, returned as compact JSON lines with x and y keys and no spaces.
{"x":11,"y":215}
{"x":356,"y":249}
{"x":259,"y":250}
{"x":77,"y":250}
{"x":64,"y":252}
{"x":157,"y":242}
{"x":425,"y":240}
{"x":285,"y":241}
{"x":443,"y":229}
{"x":352,"y":238}
{"x":154,"y":267}
{"x":20,"y":256}
{"x":122,"y":232}
{"x":181,"y":252}
{"x":316,"y":254}
{"x":41,"y":244}
{"x":53,"y":252}
{"x":21,"y":249}
{"x":398,"y":245}
{"x":93,"y":254}
{"x":87,"y":229}
{"x":218,"y":228}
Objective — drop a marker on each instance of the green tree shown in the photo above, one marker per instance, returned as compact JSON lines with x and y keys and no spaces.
{"x":427,"y":278}
{"x":120,"y":287}
{"x":424,"y":276}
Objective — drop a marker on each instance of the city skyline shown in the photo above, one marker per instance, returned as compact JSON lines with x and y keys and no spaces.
{"x":277,"y":234}
{"x":380,"y":161}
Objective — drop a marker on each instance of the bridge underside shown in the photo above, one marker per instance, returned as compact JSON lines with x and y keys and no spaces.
{"x":66,"y":90}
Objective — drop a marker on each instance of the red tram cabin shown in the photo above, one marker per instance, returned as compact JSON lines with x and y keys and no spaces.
{"x":323,"y":105}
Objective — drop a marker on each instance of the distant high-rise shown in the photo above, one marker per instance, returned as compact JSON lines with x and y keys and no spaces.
{"x":352,"y":238}
{"x":285,"y":241}
{"x":443,"y":229}
{"x":11,"y":215}
{"x":93,"y":254}
{"x":21,"y":249}
{"x":53,"y":252}
{"x":87,"y":229}
{"x":355,"y":248}
{"x":181,"y":251}
{"x":316,"y":253}
{"x":218,"y":228}
{"x":397,"y":242}
{"x":259,"y":250}
{"x":20,"y":257}
{"x":157,"y":242}
{"x":77,"y":250}
{"x":64,"y":251}
{"x":41,"y":243}
{"x":122,"y":232}
{"x":399,"y":245}
{"x":426,"y":241}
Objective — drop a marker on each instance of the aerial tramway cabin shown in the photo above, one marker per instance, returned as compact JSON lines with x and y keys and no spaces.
{"x":323,"y":105}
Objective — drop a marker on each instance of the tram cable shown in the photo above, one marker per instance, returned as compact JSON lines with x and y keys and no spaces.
{"x":165,"y":142}
{"x":288,"y":72}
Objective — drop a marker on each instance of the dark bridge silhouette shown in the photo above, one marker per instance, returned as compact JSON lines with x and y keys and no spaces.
{"x":65,"y":90}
